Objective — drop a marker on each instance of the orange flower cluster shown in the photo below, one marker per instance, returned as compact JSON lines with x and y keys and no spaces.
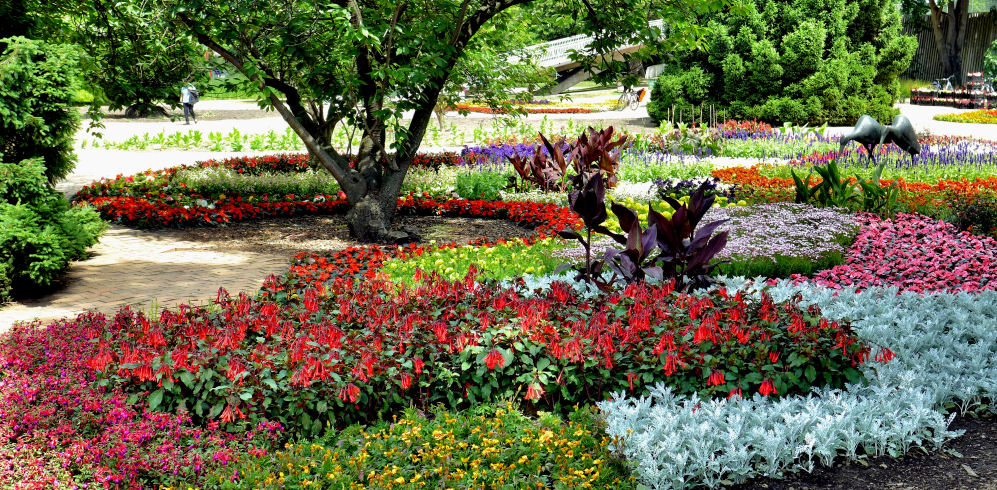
{"x":913,"y":194}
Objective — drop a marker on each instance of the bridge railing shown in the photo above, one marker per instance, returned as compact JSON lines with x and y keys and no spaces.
{"x":555,"y":53}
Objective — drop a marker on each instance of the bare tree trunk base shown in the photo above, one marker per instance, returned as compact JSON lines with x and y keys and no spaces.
{"x":368,"y":223}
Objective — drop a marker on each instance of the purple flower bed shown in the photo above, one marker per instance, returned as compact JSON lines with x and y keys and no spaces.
{"x":781,"y":239}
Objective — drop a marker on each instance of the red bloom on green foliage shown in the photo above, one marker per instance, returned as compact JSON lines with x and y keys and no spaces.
{"x":493,"y":359}
{"x":767,"y":388}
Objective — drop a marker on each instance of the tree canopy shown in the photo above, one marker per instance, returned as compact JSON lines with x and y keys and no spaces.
{"x":381,"y":66}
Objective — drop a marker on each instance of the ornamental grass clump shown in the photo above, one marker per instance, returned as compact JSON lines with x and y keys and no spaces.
{"x":781,"y":239}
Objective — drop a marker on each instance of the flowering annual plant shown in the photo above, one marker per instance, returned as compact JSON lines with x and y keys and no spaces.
{"x":60,"y":428}
{"x":918,"y":254}
{"x":780,"y":239}
{"x":982,"y":116}
{"x":334,"y":342}
{"x":485,"y":447}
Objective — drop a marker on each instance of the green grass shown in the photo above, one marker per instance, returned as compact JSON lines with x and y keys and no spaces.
{"x":906,"y":84}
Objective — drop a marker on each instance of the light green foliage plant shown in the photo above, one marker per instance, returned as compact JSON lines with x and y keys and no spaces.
{"x":946,"y":361}
{"x":776,"y":147}
{"x":437,"y":183}
{"x":39,"y":232}
{"x":37,"y":119}
{"x":482,"y":185}
{"x":512,"y":258}
{"x":649,"y":166}
{"x":215,"y":181}
{"x":835,"y":190}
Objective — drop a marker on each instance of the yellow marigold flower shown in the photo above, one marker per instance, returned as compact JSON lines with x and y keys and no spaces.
{"x":400,"y":480}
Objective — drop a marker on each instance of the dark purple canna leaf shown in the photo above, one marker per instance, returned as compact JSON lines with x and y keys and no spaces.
{"x":625,"y":215}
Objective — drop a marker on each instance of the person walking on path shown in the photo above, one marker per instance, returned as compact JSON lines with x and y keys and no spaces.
{"x":189,"y":97}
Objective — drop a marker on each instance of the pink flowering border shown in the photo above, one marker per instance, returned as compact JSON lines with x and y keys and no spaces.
{"x":915,"y":253}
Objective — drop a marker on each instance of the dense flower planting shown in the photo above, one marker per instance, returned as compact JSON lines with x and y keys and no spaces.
{"x":983,"y":116}
{"x":914,"y":195}
{"x":60,"y":428}
{"x":776,"y":240}
{"x":354,"y":348}
{"x":492,"y":447}
{"x":918,"y":254}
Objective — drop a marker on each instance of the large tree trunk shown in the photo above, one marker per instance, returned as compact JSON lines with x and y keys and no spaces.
{"x":949,"y":29}
{"x":370,"y":217}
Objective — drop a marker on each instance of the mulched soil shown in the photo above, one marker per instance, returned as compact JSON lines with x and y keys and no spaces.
{"x":966,"y":462}
{"x":289,"y":236}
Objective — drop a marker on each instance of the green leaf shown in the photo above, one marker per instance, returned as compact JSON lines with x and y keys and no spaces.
{"x":810,"y":373}
{"x":155,"y":399}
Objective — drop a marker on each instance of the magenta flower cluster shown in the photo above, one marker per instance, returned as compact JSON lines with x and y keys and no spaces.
{"x":59,"y":428}
{"x":915,"y":253}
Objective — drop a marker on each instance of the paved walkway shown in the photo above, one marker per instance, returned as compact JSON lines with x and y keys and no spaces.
{"x":133,"y":267}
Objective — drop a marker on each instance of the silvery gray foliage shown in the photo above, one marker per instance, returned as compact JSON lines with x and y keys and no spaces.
{"x":946,"y":356}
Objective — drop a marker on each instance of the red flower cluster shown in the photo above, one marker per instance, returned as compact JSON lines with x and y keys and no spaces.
{"x":916,"y":253}
{"x":370,"y":344}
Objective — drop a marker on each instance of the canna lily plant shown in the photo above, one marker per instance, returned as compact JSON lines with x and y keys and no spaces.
{"x":686,"y":253}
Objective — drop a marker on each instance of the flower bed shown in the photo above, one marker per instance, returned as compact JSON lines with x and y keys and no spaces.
{"x":550,"y":108}
{"x":484,"y":449}
{"x":946,"y":362}
{"x":356,"y":347}
{"x":914,"y":195}
{"x":982,"y":116}
{"x":777,"y":240}
{"x":917,"y":254}
{"x":60,"y":428}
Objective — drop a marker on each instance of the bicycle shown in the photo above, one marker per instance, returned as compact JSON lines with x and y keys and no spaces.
{"x":938,"y":85}
{"x":630,"y":98}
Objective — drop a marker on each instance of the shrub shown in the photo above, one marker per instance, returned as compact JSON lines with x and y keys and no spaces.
{"x":487,"y":447}
{"x":680,"y":92}
{"x":990,"y":61}
{"x":37,"y":119}
{"x":801,"y":61}
{"x":481,"y":185}
{"x":39,"y":232}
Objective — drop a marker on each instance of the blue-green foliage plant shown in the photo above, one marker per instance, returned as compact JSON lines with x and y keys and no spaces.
{"x":39,"y":232}
{"x":946,"y":363}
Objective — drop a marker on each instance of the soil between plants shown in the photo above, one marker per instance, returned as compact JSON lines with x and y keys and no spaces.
{"x":288,"y":236}
{"x":975,"y":469}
